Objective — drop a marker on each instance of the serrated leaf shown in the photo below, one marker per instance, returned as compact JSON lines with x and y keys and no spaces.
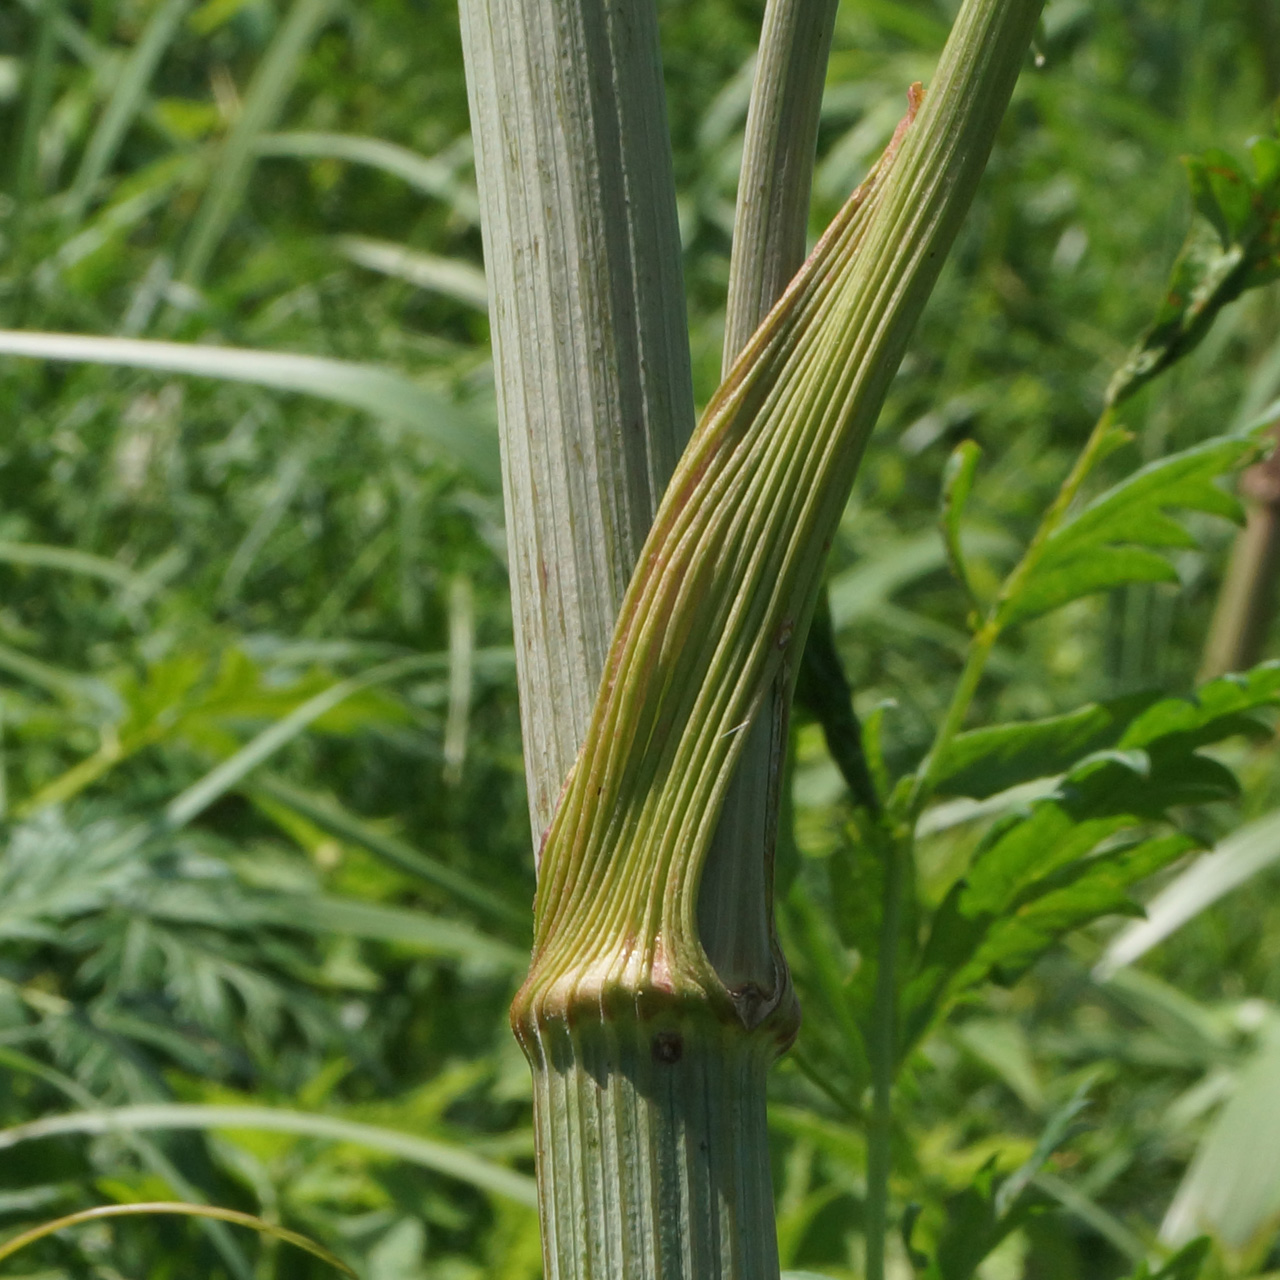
{"x":1235,"y":248}
{"x":1217,"y":710}
{"x":1025,"y":905}
{"x":1064,"y":862}
{"x":1119,"y":536}
{"x":986,"y":761}
{"x":1095,"y":889}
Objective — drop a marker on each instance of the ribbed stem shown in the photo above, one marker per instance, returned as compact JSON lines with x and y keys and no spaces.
{"x":590,"y":342}
{"x":653,"y":1158}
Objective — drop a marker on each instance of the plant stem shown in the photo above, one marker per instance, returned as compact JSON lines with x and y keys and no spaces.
{"x":883,"y":1052}
{"x":735,"y":915}
{"x":649,"y":1065}
{"x":590,"y":338}
{"x":653,"y":1150}
{"x":1247,"y":600}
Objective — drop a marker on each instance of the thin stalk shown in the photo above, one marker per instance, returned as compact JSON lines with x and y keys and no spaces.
{"x":984,"y":640}
{"x":770,"y":226}
{"x":1247,"y":600}
{"x":883,"y":1053}
{"x":772,"y":214}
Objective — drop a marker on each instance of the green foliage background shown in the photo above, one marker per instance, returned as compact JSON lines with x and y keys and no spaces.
{"x":325,"y":924}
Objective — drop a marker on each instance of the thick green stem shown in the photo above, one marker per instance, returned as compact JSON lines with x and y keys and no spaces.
{"x":591,"y":348}
{"x":653,"y":1148}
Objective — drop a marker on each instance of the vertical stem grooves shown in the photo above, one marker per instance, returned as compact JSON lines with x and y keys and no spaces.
{"x":629,"y":1117}
{"x":777,"y":163}
{"x":649,"y":1068}
{"x":730,"y":570}
{"x":591,"y":353}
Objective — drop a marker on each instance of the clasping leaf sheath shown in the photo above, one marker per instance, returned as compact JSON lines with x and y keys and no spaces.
{"x":727,"y":578}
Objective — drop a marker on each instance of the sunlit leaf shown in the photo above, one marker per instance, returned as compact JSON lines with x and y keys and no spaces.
{"x":1235,"y":248}
{"x":1123,"y":535}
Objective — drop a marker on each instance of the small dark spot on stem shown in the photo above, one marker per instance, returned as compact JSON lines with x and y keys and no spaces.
{"x":668,"y":1047}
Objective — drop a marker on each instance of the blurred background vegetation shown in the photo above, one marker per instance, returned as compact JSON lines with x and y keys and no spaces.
{"x":266,"y":882}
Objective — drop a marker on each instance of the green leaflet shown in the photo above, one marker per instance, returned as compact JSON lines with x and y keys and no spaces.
{"x":1217,"y":709}
{"x":985,"y":761}
{"x":1119,"y":537}
{"x":1235,"y":248}
{"x":1073,"y":856}
{"x":978,"y":1217}
{"x":969,"y":946}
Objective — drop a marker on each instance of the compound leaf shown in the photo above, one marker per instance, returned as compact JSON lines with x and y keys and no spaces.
{"x":1121,"y":535}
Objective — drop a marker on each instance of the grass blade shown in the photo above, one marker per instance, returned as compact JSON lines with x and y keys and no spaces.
{"x":191,"y":802}
{"x":147,"y":1151}
{"x":127,"y":97}
{"x":360,"y":386}
{"x":440,"y":1157}
{"x":1233,"y":1185}
{"x":430,"y":176}
{"x":1241,"y":856}
{"x":345,"y":825}
{"x":69,"y":561}
{"x":452,"y":277}
{"x":68,"y":685}
{"x":148,"y":1208}
{"x":265,"y":99}
{"x":375,"y":922}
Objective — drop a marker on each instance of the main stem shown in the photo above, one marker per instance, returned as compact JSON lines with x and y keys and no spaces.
{"x":651,"y":1138}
